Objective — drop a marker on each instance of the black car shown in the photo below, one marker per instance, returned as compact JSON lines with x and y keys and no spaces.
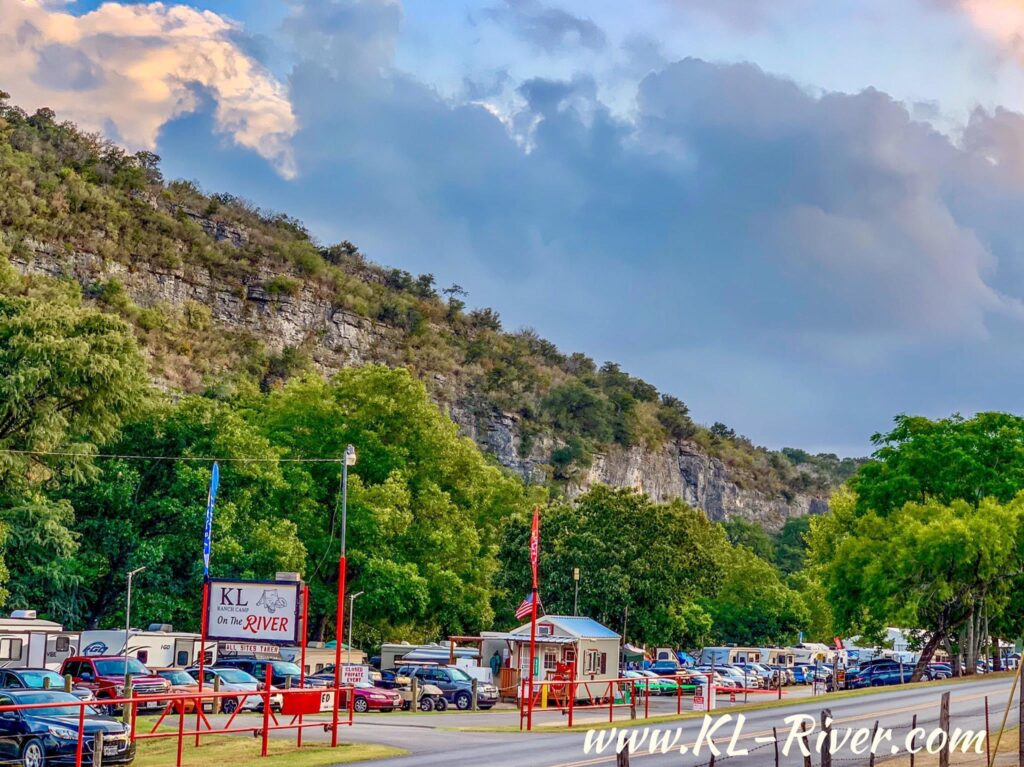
{"x":38,"y":736}
{"x":281,"y":670}
{"x":879,"y":675}
{"x":38,"y":679}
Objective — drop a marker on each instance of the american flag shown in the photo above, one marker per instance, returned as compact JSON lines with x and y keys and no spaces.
{"x":526,"y":607}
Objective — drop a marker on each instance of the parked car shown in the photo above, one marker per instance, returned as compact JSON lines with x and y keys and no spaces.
{"x":39,"y":679}
{"x":940,"y":670}
{"x":653,"y":684}
{"x":735,"y":674}
{"x":721,"y":680}
{"x":666,"y":685}
{"x":236,"y":680}
{"x":281,"y":670}
{"x":456,"y":685}
{"x":370,"y":698}
{"x":803,"y":674}
{"x":183,"y":682}
{"x":105,"y":675}
{"x":665,"y":668}
{"x":38,"y":736}
{"x":764,"y":674}
{"x":879,"y":675}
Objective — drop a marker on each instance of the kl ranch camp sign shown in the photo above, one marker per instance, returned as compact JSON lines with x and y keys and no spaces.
{"x":248,"y":611}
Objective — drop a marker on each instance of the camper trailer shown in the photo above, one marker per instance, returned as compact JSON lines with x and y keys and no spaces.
{"x":778,"y":656}
{"x":160,"y":646}
{"x":27,"y":641}
{"x":728,"y":655}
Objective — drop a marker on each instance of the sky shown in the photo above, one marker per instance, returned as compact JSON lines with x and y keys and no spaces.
{"x":801,"y":218}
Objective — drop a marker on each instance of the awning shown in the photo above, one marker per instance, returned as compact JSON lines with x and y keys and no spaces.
{"x":632,"y":652}
{"x":520,"y":638}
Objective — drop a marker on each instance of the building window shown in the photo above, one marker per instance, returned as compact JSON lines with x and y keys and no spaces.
{"x":550,"y":660}
{"x":592,"y":662}
{"x":544,"y":629}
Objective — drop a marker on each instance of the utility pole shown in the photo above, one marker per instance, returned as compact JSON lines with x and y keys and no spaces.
{"x":128,"y":619}
{"x":339,"y":627}
{"x":576,"y":595}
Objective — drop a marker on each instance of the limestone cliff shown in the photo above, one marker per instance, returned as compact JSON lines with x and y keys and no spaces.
{"x":335,"y":337}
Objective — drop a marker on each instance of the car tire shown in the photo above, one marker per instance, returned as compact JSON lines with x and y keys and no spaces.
{"x":463,"y":701}
{"x":229,"y":705}
{"x":33,"y":754}
{"x":486,"y":708}
{"x":440,"y":704}
{"x":360,"y":706}
{"x":426,"y":704}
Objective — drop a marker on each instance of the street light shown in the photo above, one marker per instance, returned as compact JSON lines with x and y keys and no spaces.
{"x":351,"y":612}
{"x":128,"y":620}
{"x":348,"y":460}
{"x":576,"y":596}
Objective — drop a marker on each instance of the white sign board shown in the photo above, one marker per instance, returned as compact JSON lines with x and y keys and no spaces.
{"x":254,"y":612}
{"x":326,"y":702}
{"x":351,"y":674}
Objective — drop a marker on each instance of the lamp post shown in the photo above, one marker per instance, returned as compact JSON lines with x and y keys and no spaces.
{"x":351,"y":612}
{"x":576,"y":595}
{"x":128,"y":620}
{"x":349,"y":460}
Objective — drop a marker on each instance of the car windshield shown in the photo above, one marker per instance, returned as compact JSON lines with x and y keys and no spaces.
{"x":458,"y":675}
{"x":235,"y":676}
{"x":118,"y":667}
{"x":56,"y":710}
{"x":37,"y":679}
{"x":284,"y":668}
{"x":177,"y":677}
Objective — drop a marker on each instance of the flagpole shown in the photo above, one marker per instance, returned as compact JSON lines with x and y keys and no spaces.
{"x":534,"y":557}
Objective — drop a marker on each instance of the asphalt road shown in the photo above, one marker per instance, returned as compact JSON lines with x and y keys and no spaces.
{"x":432,"y":744}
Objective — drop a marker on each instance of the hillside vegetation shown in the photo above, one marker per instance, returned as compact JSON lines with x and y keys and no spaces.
{"x":82,"y":194}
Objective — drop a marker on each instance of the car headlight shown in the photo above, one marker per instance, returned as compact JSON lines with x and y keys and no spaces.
{"x":118,"y":690}
{"x":63,"y":733}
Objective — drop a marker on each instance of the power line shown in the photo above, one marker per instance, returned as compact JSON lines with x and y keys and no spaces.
{"x":204,"y":459}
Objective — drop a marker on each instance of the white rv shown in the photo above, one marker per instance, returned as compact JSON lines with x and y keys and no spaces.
{"x":27,"y":641}
{"x":158,"y":647}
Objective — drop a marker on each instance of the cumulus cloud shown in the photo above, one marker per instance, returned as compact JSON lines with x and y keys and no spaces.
{"x":129,"y":69}
{"x":549,"y":29}
{"x":1002,"y":20}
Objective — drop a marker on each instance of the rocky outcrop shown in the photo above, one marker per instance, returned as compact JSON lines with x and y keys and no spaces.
{"x":336,"y":338}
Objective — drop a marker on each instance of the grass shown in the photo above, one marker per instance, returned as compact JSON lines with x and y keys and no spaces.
{"x":774,"y":703}
{"x":231,"y":750}
{"x":1007,"y":756}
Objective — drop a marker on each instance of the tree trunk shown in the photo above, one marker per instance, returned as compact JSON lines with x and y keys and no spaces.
{"x":926,"y":655}
{"x":970,"y":646}
{"x":954,"y":660}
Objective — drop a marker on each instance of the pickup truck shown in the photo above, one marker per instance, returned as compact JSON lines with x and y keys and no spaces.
{"x":104,"y":675}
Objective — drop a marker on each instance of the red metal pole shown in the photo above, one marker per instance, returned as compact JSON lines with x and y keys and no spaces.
{"x":679,"y":694}
{"x":81,"y":736}
{"x":339,"y":618}
{"x":181,"y":732}
{"x":611,"y":703}
{"x":533,"y":655}
{"x":647,"y":699}
{"x":572,"y":692}
{"x":204,"y":623}
{"x":302,"y":663}
{"x":266,"y":707}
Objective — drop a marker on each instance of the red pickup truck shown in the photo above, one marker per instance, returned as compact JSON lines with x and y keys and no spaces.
{"x":104,"y":675}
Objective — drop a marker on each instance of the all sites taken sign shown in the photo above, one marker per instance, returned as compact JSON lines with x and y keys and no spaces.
{"x":248,"y":611}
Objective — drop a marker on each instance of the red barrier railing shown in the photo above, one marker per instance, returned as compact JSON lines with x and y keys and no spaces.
{"x":571,"y":695}
{"x":297,"y":699}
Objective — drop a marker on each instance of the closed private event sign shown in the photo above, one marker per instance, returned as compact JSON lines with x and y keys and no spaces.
{"x":248,"y":611}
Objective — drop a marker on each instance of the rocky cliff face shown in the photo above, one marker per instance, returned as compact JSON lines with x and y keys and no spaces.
{"x":337,"y":338}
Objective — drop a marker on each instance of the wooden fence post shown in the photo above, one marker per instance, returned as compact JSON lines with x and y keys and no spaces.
{"x":871,"y":753}
{"x":807,"y":759}
{"x":622,"y":758}
{"x":826,"y":728}
{"x":775,"y":735}
{"x":944,"y":726}
{"x":913,"y":739}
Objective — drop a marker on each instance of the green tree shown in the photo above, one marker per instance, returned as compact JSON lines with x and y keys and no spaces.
{"x":743,"y":532}
{"x":790,"y":544}
{"x":949,"y":459}
{"x":424,"y":508}
{"x":655,"y":560}
{"x":929,"y":565}
{"x":752,"y":606}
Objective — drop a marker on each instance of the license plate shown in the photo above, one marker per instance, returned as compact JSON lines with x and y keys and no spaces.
{"x":151,"y":704}
{"x":110,"y":750}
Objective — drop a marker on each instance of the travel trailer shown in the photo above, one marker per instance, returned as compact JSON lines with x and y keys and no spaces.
{"x":728,"y":655}
{"x":27,"y":641}
{"x":158,"y":647}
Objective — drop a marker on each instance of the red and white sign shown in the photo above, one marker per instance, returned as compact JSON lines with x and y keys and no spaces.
{"x":351,"y":674}
{"x":254,"y":612}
